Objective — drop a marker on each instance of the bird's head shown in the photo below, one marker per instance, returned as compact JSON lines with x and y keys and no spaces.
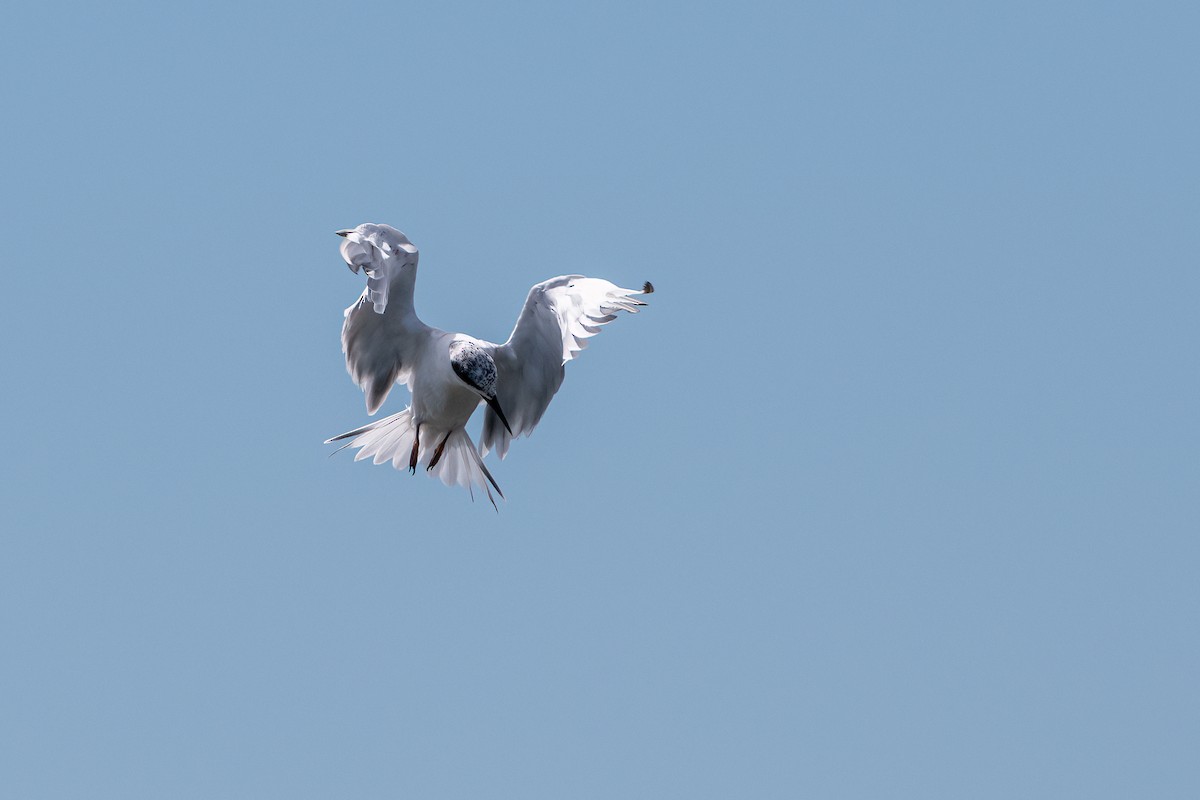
{"x":369,"y":246}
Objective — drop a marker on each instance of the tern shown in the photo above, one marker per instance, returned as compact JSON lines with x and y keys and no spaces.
{"x":449,"y":375}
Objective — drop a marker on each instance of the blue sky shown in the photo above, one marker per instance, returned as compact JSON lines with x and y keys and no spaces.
{"x":892,"y":491}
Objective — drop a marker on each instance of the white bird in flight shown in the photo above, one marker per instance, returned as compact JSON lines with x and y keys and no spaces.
{"x":450,"y":374}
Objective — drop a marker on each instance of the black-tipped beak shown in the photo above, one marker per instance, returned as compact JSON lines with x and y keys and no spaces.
{"x":494,"y":404}
{"x":343,"y":233}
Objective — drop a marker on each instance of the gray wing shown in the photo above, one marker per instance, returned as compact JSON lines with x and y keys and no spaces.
{"x":559,"y":316}
{"x":379,"y":351}
{"x":380,"y":338}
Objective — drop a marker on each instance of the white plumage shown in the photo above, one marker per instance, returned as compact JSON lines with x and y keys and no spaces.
{"x":450,"y":374}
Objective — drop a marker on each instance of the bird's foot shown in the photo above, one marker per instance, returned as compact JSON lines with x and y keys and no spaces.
{"x":437,"y":454}
{"x":412,"y":456}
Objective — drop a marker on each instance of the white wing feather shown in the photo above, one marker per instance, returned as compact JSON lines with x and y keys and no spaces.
{"x":380,"y":334}
{"x":559,"y":316}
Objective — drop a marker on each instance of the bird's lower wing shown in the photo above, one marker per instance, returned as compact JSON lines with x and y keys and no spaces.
{"x":380,"y":338}
{"x":380,"y":349}
{"x":559,"y":316}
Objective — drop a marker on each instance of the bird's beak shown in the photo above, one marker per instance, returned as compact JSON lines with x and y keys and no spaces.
{"x":343,"y":233}
{"x":494,"y":404}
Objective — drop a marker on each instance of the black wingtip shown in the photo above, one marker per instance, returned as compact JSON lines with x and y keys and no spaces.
{"x":648,"y":288}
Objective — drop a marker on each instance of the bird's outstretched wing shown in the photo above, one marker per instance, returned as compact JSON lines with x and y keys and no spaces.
{"x":559,"y":316}
{"x":381,"y":332}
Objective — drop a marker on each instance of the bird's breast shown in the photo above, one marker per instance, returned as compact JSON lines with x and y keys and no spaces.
{"x":439,"y":397}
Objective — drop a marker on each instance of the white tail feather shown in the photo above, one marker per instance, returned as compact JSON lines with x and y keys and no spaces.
{"x":391,"y":439}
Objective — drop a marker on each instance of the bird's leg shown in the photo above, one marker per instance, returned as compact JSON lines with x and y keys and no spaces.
{"x":437,"y":454}
{"x":412,"y":459}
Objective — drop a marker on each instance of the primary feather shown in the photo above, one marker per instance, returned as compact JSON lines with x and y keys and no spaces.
{"x":559,"y":316}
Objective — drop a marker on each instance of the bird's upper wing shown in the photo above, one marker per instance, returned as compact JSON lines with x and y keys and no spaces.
{"x":381,"y":333}
{"x":559,"y":316}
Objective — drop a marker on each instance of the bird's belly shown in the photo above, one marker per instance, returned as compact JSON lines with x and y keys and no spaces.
{"x":443,"y":402}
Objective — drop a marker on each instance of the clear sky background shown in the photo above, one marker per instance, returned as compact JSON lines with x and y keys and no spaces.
{"x":891,"y":493}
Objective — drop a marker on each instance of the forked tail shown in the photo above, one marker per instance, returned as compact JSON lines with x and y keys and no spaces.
{"x":391,"y":439}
